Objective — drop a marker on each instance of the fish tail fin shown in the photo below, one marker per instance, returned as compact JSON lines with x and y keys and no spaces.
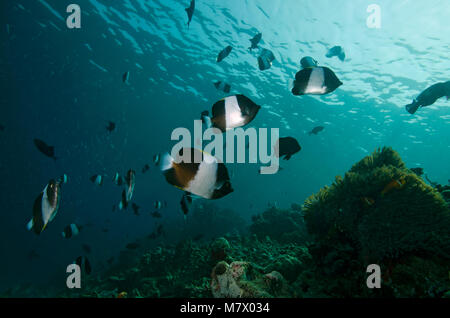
{"x":166,"y":162}
{"x":30,"y":225}
{"x":287,"y":157}
{"x":413,"y":107}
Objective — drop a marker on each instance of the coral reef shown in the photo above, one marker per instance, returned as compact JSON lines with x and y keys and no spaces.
{"x":380,"y":212}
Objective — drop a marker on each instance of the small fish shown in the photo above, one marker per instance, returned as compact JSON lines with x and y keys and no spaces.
{"x":86,"y":248}
{"x":132,"y":246}
{"x":265,"y":59}
{"x":286,"y":147}
{"x":418,"y":171}
{"x":156,"y":215}
{"x":222,"y":86}
{"x":123,"y":204}
{"x":394,"y":184}
{"x":135,"y":208}
{"x":126,"y":78}
{"x":336,"y":51}
{"x":124,"y":294}
{"x":71,"y":230}
{"x":46,"y":205}
{"x":111,"y":127}
{"x":97,"y":179}
{"x":130,"y":181}
{"x":47,"y":150}
{"x":84,"y":264}
{"x":156,"y":159}
{"x":224,"y":53}
{"x":158,"y":204}
{"x":316,"y":130}
{"x":160,"y":230}
{"x":190,"y":12}
{"x":146,"y":168}
{"x":105,"y":230}
{"x":185,"y":203}
{"x":231,"y":112}
{"x":255,"y":41}
{"x":317,"y":80}
{"x":118,"y":179}
{"x":207,"y":178}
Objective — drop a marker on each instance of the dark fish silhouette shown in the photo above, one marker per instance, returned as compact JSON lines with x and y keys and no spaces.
{"x":111,"y":127}
{"x":2,"y":128}
{"x":336,"y":51}
{"x":265,"y":59}
{"x":224,"y":53}
{"x":156,"y":215}
{"x":316,"y":130}
{"x":47,"y":150}
{"x":186,"y":201}
{"x":286,"y":147}
{"x":190,"y":11}
{"x":255,"y":41}
{"x":135,"y":208}
{"x":84,"y":263}
{"x":146,"y":168}
{"x":126,"y":77}
{"x":429,"y":96}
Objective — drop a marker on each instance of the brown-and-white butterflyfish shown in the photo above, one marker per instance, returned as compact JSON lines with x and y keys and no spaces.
{"x":222,"y":86}
{"x":231,"y":112}
{"x":317,"y":80}
{"x":198,"y":173}
{"x":126,"y":78}
{"x":224,"y":53}
{"x":265,"y":59}
{"x":286,"y":146}
{"x":97,"y":179}
{"x":127,"y":194}
{"x":130,"y":181}
{"x":46,"y":205}
{"x":84,"y":264}
{"x":71,"y":230}
{"x":190,"y":12}
{"x":255,"y":41}
{"x":118,"y":179}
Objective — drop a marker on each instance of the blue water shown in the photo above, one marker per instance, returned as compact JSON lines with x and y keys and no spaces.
{"x":63,"y":86}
